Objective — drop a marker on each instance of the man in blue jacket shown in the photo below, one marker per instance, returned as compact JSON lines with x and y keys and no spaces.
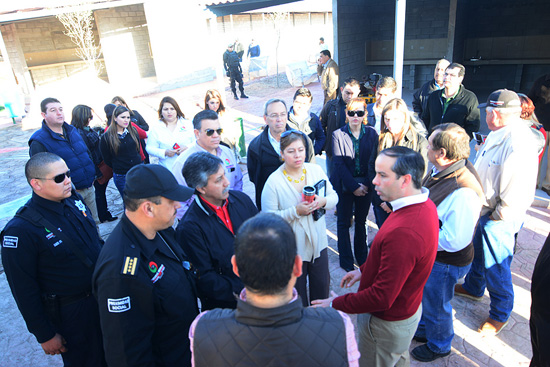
{"x":58,"y":137}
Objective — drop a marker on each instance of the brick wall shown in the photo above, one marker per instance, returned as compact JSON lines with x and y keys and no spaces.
{"x":124,"y":20}
{"x":364,"y":27}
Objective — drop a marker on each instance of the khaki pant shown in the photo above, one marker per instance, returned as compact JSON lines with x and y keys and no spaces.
{"x":88,"y":195}
{"x":385,"y":343}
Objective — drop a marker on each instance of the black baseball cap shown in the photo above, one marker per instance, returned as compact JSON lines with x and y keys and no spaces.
{"x":148,"y":180}
{"x":109,"y":109}
{"x":502,"y":98}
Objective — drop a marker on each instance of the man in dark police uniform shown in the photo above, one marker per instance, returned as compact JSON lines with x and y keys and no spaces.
{"x":143,"y":282}
{"x":49,"y":250}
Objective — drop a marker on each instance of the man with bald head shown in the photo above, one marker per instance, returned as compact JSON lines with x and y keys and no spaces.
{"x":420,"y":97}
{"x":49,"y":250}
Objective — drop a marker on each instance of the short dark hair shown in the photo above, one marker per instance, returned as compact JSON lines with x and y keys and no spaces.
{"x":81,"y":116}
{"x":265,"y":251}
{"x":408,"y":162}
{"x":352,"y":82}
{"x":38,"y":165}
{"x":203,"y":115}
{"x":326,"y":53}
{"x":198,"y":167}
{"x":304,"y":92}
{"x":387,"y":82}
{"x":453,"y":138}
{"x":271,"y":101}
{"x":460,"y":67}
{"x":46,"y":101}
{"x":132,"y":204}
{"x":291,"y":137}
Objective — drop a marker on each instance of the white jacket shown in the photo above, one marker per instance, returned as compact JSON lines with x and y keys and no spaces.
{"x":507,"y":165}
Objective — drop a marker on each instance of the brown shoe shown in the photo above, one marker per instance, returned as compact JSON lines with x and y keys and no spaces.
{"x":460,"y":291}
{"x":491,"y":327}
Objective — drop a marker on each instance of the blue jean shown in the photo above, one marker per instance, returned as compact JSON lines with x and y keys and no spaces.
{"x":120,"y":182}
{"x":345,"y":211}
{"x":493,"y":246}
{"x":436,"y":323}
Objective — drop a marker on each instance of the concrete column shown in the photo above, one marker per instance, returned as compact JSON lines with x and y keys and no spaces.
{"x":399,"y":44}
{"x":451,"y":31}
{"x":14,"y":55}
{"x":335,"y":17}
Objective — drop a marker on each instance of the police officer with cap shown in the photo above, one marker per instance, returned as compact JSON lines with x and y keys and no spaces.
{"x":48,"y":251}
{"x":142,"y":281}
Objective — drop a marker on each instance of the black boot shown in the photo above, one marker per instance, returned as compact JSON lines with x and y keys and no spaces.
{"x":235,"y":96}
{"x":243,"y":95}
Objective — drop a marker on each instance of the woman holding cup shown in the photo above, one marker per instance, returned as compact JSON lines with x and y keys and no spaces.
{"x":288,"y":193}
{"x":354,"y":151}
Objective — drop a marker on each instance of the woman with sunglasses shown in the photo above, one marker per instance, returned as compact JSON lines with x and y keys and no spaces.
{"x":354,"y":149}
{"x":172,"y":135}
{"x":396,"y":129}
{"x":120,"y":146}
{"x":81,"y":117}
{"x":282,"y":195}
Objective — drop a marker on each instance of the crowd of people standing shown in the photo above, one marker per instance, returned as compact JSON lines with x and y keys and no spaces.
{"x":137,"y":296}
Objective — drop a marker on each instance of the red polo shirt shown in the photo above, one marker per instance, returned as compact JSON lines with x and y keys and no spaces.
{"x":222,"y":213}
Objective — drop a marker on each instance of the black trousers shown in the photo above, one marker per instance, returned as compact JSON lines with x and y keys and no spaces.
{"x":80,"y":327}
{"x":316,"y":272}
{"x":236,"y":76}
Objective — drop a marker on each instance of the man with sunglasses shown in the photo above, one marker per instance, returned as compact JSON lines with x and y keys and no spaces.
{"x":208,"y":133}
{"x":49,"y":250}
{"x":58,"y":137}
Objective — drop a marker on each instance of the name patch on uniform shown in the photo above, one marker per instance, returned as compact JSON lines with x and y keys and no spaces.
{"x":117,"y":305}
{"x":10,"y":241}
{"x":130,"y":265}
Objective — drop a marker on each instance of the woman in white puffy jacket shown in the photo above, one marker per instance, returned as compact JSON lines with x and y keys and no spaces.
{"x":172,"y":135}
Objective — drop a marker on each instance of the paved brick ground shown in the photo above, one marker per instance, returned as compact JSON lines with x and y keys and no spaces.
{"x":510,"y":348}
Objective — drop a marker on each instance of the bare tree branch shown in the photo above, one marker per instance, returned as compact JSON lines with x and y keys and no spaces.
{"x":279,"y":20}
{"x":79,"y":27}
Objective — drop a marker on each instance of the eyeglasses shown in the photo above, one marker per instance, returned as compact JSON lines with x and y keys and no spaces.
{"x":274,"y":116}
{"x":356,"y":113}
{"x":59,"y":178}
{"x":210,"y":132}
{"x":291,"y":131}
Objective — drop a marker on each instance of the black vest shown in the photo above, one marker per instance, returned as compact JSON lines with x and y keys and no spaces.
{"x":289,"y":335}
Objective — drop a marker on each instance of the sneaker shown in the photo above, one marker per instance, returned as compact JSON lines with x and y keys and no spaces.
{"x":460,"y":291}
{"x":424,"y":354}
{"x":491,"y":327}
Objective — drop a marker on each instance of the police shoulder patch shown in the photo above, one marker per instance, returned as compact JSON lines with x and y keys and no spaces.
{"x":118,"y":305}
{"x":10,"y":241}
{"x":130,"y":265}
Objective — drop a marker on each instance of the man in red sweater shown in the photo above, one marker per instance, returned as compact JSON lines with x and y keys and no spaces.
{"x":403,"y":252}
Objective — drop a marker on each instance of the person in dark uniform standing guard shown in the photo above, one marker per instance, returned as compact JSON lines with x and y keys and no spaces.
{"x":142,"y":281}
{"x":234,"y":71}
{"x":48,"y":251}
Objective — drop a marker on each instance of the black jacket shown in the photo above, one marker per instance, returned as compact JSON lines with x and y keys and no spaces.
{"x":420,"y":97}
{"x":333,"y":117}
{"x":127,"y":156}
{"x":262,"y":161}
{"x":147,"y":299}
{"x":38,"y":263}
{"x":209,"y":244}
{"x":462,"y":110}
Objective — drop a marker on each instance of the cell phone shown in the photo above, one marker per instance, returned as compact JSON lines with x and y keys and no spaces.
{"x":176,"y":146}
{"x":480,"y":138}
